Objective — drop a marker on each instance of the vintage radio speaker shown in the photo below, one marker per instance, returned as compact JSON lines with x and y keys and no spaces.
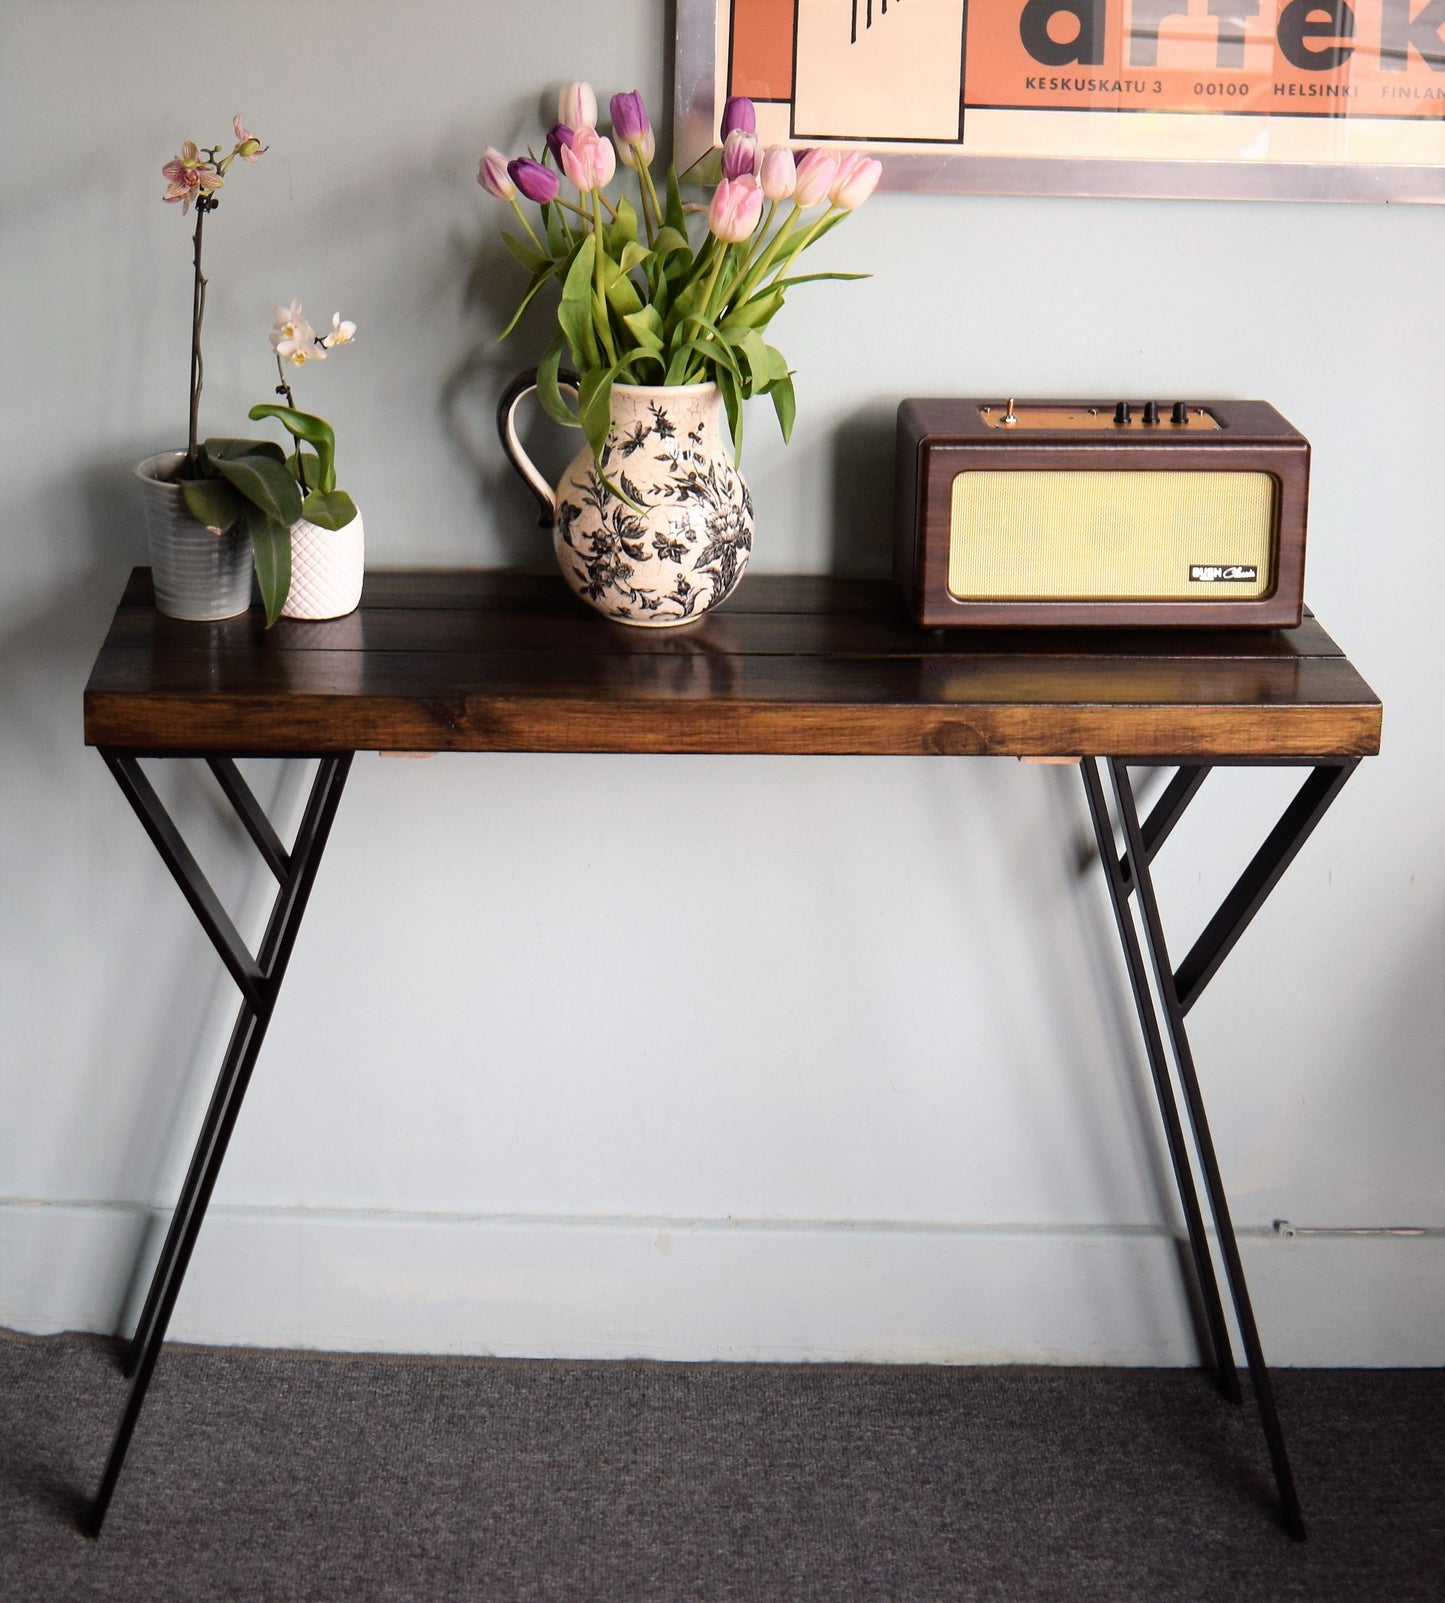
{"x":1100,"y":512}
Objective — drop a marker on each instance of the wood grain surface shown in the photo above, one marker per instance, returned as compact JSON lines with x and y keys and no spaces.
{"x":470,"y":660}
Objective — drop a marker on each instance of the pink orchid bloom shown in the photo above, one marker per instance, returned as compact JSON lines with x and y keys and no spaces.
{"x":590,"y":162}
{"x":248,"y":147}
{"x":737,"y":204}
{"x":817,"y":172}
{"x":187,"y":177}
{"x":857,"y":178}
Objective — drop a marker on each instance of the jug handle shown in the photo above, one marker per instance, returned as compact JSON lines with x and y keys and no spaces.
{"x":512,"y":397}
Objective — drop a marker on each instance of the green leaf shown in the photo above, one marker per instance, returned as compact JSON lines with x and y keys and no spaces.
{"x":527,"y":300}
{"x":785,"y":405}
{"x":328,"y":510}
{"x":305,"y":426}
{"x":224,"y":450}
{"x":212,"y":502}
{"x":529,"y":256}
{"x":815,"y":278}
{"x":549,"y":390}
{"x":575,"y":313}
{"x":673,"y":215}
{"x":271,"y":550}
{"x":634,"y":254}
{"x":594,"y":403}
{"x":623,"y":228}
{"x":733,"y":404}
{"x":766,"y":364}
{"x":755,"y":313}
{"x":645,"y":326}
{"x":266,"y":484}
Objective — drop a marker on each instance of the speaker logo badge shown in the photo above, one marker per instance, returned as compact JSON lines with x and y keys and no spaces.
{"x":1222,"y":573}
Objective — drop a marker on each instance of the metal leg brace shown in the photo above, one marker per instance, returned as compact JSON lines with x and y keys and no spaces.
{"x":1176,"y":992}
{"x":259,"y":980}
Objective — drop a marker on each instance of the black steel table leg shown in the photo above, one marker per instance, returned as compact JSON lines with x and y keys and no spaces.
{"x":1120,"y":880}
{"x":1177,"y":992}
{"x":260,"y":980}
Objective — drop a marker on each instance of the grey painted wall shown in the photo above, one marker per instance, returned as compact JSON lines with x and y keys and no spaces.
{"x":746,"y":1058}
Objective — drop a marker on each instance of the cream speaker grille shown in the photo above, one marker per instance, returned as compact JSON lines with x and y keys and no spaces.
{"x":1151,"y":536}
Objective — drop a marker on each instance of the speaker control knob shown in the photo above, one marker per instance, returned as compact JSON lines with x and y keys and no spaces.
{"x":1180,"y":413}
{"x":1121,"y":412}
{"x":1151,"y":412}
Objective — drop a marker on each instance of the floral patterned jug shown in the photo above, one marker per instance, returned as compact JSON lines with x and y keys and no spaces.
{"x":668,"y":452}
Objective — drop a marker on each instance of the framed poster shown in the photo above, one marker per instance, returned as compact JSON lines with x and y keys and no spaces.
{"x":1230,"y":99}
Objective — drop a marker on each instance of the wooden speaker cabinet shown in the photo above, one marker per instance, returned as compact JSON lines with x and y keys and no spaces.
{"x":1121,"y":514}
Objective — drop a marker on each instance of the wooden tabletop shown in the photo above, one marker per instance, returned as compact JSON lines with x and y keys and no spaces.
{"x":469,"y":660}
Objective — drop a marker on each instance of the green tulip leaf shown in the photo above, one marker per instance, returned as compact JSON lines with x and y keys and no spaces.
{"x":785,"y":405}
{"x":529,"y":256}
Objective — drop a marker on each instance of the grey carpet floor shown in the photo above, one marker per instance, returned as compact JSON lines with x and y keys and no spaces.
{"x":264,"y":1475}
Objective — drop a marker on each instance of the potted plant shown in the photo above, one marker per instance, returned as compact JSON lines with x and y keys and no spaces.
{"x":198,"y":573}
{"x":652,"y":522}
{"x":224,"y":506}
{"x":305,"y":533}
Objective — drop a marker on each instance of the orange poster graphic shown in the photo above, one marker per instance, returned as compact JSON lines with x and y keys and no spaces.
{"x":1291,"y":58}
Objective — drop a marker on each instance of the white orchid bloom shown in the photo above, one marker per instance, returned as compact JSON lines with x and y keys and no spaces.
{"x":341,"y":333}
{"x":293,"y":338}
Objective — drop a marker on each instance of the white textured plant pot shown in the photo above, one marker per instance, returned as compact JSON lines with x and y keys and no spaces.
{"x":686,"y":548}
{"x":327,"y":567}
{"x":197,"y":575}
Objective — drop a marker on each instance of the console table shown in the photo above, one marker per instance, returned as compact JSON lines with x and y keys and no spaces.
{"x":476,"y":661}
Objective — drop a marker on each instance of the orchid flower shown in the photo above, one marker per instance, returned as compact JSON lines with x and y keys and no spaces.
{"x":341,"y":333}
{"x":293,"y":339}
{"x":189,"y":176}
{"x":248,"y":147}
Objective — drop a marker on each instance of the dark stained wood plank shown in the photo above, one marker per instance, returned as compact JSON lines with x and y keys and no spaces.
{"x":479,"y":671}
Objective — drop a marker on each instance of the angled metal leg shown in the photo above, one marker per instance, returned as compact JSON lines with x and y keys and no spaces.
{"x":259,"y":980}
{"x":1177,"y":992}
{"x":1121,"y":882}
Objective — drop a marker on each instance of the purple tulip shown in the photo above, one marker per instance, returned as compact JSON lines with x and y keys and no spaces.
{"x":739,"y":113}
{"x":559,"y":138}
{"x":741,"y":154}
{"x":535,"y":181}
{"x":632,"y":132}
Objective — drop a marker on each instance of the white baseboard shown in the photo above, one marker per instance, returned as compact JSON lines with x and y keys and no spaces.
{"x":694,"y":1289}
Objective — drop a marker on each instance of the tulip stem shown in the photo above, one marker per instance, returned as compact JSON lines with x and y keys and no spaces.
{"x":522,"y":218}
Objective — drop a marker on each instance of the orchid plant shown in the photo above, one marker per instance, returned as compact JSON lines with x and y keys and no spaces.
{"x":255,"y":484}
{"x":639,"y":302}
{"x":194,"y":177}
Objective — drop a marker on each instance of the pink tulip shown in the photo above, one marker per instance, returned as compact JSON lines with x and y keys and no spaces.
{"x":590,"y":161}
{"x":857,"y":179}
{"x":736,"y":206}
{"x":577,"y":106}
{"x":778,"y":173}
{"x":817,"y":172}
{"x":492,"y":174}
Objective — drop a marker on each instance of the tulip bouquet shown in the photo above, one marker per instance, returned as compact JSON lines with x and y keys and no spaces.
{"x":639,"y":302}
